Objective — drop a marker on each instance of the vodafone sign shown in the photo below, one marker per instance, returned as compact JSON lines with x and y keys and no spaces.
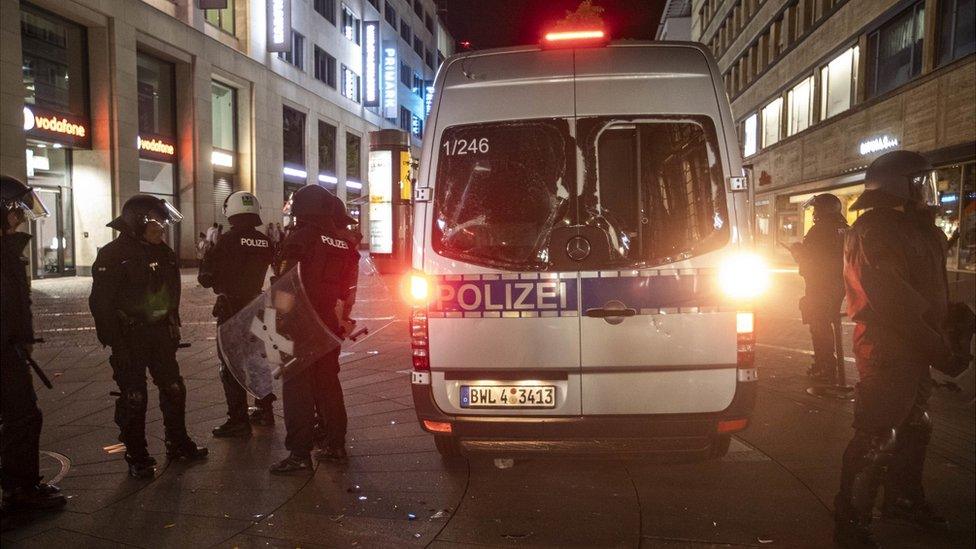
{"x":51,"y":126}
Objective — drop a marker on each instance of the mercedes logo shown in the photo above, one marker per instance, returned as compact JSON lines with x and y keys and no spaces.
{"x":578,"y":248}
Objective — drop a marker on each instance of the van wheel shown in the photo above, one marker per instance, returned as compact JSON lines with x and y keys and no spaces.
{"x":448,"y":447}
{"x":720,"y":446}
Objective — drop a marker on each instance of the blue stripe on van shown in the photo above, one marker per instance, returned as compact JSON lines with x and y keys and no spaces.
{"x":677,"y":291}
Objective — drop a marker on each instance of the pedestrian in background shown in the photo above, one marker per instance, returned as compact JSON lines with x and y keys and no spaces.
{"x":820,"y":258}
{"x":22,"y":419}
{"x":235,"y":268}
{"x":895,"y":275}
{"x":212,"y":234}
{"x":329,"y":272}
{"x":135,"y":300}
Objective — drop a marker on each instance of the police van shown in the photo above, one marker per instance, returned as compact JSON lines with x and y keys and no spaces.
{"x":583,"y":276}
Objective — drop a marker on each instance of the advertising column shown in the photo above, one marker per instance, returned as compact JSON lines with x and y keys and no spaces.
{"x":389,"y":200}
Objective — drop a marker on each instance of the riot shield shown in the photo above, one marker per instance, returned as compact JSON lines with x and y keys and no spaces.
{"x":276,"y":335}
{"x":372,"y":308}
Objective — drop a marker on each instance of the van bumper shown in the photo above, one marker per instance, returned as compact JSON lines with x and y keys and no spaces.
{"x":585,"y":435}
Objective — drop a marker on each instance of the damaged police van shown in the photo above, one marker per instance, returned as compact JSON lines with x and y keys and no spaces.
{"x":583,"y":274}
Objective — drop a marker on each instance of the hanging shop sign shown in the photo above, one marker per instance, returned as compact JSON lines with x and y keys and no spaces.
{"x":428,"y":97}
{"x":57,"y":127}
{"x":279,"y":25}
{"x":371,"y":63}
{"x":878,"y":144}
{"x":156,"y":147}
{"x":390,"y":107}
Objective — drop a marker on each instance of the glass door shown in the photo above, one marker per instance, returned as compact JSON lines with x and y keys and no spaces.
{"x":49,"y":240}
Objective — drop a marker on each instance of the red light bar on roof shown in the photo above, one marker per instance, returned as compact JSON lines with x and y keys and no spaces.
{"x":564,"y":36}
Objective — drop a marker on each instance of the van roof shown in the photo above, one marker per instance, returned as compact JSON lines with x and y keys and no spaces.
{"x":622,"y":77}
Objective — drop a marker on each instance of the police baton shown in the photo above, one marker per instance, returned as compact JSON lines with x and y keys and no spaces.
{"x":25,"y":356}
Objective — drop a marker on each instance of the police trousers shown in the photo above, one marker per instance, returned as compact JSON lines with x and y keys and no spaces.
{"x":892,"y":432}
{"x":821,"y":312}
{"x":21,"y":422}
{"x":316,"y":388}
{"x":152,"y":348}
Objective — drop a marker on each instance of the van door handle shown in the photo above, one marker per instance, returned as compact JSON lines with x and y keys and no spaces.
{"x":610,"y":313}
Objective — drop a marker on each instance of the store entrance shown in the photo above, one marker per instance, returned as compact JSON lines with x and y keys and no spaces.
{"x":52,"y":244}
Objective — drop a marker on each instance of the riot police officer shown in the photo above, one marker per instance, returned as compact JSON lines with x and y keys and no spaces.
{"x":235,"y":268}
{"x":329,"y":270}
{"x":135,"y":301}
{"x":894,"y":271}
{"x":820,"y":258}
{"x":22,"y":489}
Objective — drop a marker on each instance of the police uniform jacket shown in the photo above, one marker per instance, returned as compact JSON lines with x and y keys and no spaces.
{"x":329,"y":267}
{"x":235,"y":267}
{"x":133,"y":282}
{"x":897,"y":292}
{"x":15,"y":317}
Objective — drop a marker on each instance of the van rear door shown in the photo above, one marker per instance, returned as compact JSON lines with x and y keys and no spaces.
{"x":653,"y":339}
{"x":504,"y":333}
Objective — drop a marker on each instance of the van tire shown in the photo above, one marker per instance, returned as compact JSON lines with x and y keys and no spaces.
{"x":720,"y":446}
{"x":448,"y":447}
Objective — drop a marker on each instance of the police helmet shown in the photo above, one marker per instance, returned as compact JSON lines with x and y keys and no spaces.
{"x":242,"y":207}
{"x":824,"y":205}
{"x":14,"y":194}
{"x":313,"y":203}
{"x":138,"y":210}
{"x":896,"y":179}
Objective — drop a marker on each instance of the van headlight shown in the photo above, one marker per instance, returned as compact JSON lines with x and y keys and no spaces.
{"x":743,"y":276}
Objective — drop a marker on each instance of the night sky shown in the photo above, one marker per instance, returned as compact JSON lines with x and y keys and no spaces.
{"x":498,"y":23}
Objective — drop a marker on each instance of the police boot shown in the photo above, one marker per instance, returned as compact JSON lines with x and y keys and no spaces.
{"x":262,"y":416}
{"x":333,"y":452}
{"x":915,"y":512}
{"x":185,"y":449}
{"x":291,"y":464}
{"x":141,"y":465}
{"x":32,"y":498}
{"x":233,"y":429}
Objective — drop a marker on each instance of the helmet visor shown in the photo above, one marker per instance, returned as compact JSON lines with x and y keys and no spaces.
{"x":171,"y":215}
{"x":925,"y":188}
{"x":30,"y":204}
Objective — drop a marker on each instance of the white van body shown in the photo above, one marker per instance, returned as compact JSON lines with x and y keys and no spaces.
{"x":572,"y":209}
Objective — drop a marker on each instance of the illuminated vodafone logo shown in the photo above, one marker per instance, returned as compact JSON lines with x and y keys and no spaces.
{"x":155,"y":146}
{"x":53,"y":123}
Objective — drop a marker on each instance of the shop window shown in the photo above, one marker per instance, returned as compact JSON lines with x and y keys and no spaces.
{"x":155,"y":88}
{"x":326,"y":8}
{"x":800,"y":106}
{"x":350,"y":84}
{"x":325,"y":67}
{"x":967,"y":222}
{"x":55,"y":70}
{"x":223,"y":19}
{"x":896,"y":50}
{"x":354,"y":155}
{"x":296,"y":56}
{"x":405,"y":115}
{"x":405,"y":31}
{"x":327,"y":149}
{"x":293,"y":137}
{"x":957,"y":213}
{"x":350,"y":25}
{"x":838,"y":82}
{"x":223,"y":101}
{"x":771,"y":121}
{"x":750,"y":130}
{"x":957,"y":33}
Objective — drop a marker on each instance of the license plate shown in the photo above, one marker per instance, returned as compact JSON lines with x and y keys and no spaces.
{"x":508,"y":396}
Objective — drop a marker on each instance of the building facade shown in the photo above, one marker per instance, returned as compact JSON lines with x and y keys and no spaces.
{"x":820,"y":88}
{"x":104,"y":99}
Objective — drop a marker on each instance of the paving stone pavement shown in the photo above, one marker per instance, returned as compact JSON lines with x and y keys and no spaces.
{"x":775,"y":487}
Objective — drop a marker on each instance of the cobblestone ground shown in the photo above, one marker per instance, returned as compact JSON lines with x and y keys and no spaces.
{"x":775,"y":487}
